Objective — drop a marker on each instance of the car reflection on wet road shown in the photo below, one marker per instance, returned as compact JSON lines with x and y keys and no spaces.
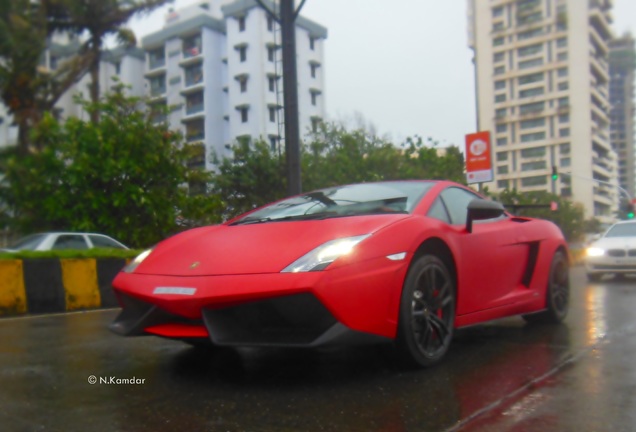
{"x":68,"y":373}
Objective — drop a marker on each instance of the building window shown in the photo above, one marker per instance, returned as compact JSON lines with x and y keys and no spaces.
{"x":530,"y":34}
{"x":501,"y":84}
{"x":564,"y":102}
{"x":156,"y":58}
{"x":193,"y":75}
{"x":562,"y":72}
{"x":271,"y":82}
{"x":498,"y":41}
{"x":498,"y":26}
{"x":195,"y":130}
{"x":312,"y":43}
{"x":315,"y":123}
{"x":242,"y":79}
{"x":499,"y":70}
{"x":536,"y":136}
{"x":314,"y":67}
{"x":117,"y":68}
{"x":563,"y":86}
{"x":501,"y":112}
{"x":502,"y":127}
{"x":194,"y":103}
{"x":242,"y":52}
{"x":531,"y":78}
{"x":564,"y":118}
{"x":564,"y":149}
{"x":314,"y":97}
{"x":270,"y":23}
{"x":502,"y":169}
{"x":157,"y":85}
{"x":529,"y":124}
{"x":272,"y":114}
{"x":502,"y":141}
{"x":241,"y":23}
{"x":530,"y":50}
{"x":562,"y":42}
{"x":534,"y":181}
{"x":271,"y":53}
{"x":536,"y":91}
{"x":565,"y":132}
{"x":531,"y":108}
{"x":500,"y":98}
{"x":192,"y":46}
{"x":497,"y":12}
{"x":244,"y":113}
{"x":502,"y":184}
{"x":565,"y":162}
{"x":533,"y":166}
{"x":530,"y":63}
{"x":502,"y":156}
{"x":533,"y":152}
{"x":562,"y":56}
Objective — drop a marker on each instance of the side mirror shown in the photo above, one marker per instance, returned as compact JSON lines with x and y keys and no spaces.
{"x":481,"y":209}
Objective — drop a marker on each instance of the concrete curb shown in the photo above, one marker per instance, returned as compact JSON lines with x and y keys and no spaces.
{"x":57,"y":285}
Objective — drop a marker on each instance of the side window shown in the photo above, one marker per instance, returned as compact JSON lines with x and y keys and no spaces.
{"x":104,"y":242}
{"x":438,"y":211}
{"x":457,"y":201}
{"x":70,"y":242}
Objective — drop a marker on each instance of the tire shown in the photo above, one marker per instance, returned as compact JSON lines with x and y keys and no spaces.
{"x":594,"y":277}
{"x":557,"y":292}
{"x":427,"y":313}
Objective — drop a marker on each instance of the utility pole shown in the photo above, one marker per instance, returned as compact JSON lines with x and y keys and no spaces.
{"x":286,"y":18}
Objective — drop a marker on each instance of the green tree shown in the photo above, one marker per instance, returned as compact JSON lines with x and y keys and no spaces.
{"x":99,"y":19}
{"x":26,"y":88}
{"x":123,"y":176}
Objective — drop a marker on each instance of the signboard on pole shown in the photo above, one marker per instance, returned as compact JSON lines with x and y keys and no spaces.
{"x":478,"y":158}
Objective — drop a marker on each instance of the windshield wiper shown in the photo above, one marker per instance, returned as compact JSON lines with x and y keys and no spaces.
{"x":312,"y":216}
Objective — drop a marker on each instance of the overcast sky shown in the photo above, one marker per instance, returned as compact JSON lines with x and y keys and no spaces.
{"x":404,"y":65}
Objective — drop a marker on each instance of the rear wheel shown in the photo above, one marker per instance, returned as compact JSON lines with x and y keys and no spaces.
{"x":557,"y":293}
{"x":427,"y":313}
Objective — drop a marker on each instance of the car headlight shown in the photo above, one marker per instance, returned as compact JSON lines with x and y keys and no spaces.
{"x":594,"y":252}
{"x":325,"y":254}
{"x":130,"y":268}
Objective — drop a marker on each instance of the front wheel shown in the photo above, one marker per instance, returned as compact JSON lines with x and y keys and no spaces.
{"x":427,"y":313}
{"x":557,"y":293}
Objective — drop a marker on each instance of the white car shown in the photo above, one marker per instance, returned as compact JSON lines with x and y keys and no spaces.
{"x":64,"y":240}
{"x":612,"y":253}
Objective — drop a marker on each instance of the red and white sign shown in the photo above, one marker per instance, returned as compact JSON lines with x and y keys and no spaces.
{"x":478,"y":158}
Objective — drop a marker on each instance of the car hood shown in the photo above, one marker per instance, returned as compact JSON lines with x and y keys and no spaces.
{"x":615,"y":243}
{"x":254,"y":248}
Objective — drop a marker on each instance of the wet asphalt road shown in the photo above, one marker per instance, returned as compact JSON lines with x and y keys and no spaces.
{"x":503,"y":376}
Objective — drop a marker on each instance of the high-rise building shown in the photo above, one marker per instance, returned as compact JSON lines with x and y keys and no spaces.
{"x":542,"y":81}
{"x":622,"y":65}
{"x":217,"y":66}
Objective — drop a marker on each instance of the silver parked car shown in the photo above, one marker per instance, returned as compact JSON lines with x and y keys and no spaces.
{"x":64,"y":240}
{"x":613,"y":253}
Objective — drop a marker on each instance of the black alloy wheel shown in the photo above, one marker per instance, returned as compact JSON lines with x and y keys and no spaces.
{"x":557,"y":293}
{"x":427,"y":312}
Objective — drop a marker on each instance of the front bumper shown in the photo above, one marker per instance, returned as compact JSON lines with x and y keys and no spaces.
{"x":356,"y":303}
{"x":608,"y":264}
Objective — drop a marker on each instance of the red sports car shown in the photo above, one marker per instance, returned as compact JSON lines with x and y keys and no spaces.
{"x":401,"y":261}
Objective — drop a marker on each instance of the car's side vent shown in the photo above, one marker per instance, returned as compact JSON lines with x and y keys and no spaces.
{"x":533,"y":253}
{"x":520,"y":219}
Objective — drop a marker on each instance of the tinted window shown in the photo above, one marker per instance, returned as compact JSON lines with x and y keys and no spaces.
{"x":438,"y":211}
{"x":67,"y":241}
{"x":28,"y":243}
{"x":104,"y":242}
{"x":457,"y":201}
{"x":351,"y":200}
{"x":622,"y":230}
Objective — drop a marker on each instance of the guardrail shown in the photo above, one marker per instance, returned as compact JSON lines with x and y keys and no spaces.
{"x":46,"y":285}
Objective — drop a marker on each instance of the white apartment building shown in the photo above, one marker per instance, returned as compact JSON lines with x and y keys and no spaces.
{"x":542,"y":81}
{"x":217,"y":66}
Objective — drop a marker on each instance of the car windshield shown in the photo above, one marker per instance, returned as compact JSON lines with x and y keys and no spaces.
{"x":622,"y":230}
{"x":28,"y":243}
{"x":351,"y":200}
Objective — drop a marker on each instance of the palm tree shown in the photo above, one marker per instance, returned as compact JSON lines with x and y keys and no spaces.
{"x":98,"y":19}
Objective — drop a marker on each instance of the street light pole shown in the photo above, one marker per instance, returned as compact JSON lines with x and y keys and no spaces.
{"x":286,"y":18}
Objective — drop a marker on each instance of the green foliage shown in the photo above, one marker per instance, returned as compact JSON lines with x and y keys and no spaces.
{"x":123,"y":176}
{"x":569,"y":216}
{"x":68,"y":254}
{"x":256,"y":174}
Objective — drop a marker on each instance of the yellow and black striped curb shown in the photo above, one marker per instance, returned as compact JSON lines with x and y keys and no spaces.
{"x":57,"y":285}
